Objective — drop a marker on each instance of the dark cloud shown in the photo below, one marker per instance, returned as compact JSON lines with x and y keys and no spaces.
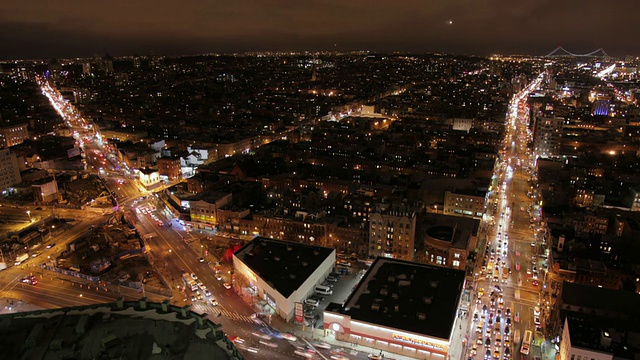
{"x":57,"y":28}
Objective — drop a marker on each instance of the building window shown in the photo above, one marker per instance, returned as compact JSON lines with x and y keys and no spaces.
{"x":456,"y":263}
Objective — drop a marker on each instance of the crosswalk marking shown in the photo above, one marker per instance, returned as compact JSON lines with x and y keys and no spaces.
{"x":215,"y":310}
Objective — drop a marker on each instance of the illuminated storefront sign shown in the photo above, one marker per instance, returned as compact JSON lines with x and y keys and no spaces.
{"x":419,"y":342}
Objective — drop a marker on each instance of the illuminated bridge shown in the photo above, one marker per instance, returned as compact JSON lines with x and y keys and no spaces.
{"x":562,"y":52}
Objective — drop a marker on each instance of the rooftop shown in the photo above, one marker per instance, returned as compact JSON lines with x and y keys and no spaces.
{"x":282,"y":264}
{"x":454,"y":229}
{"x":409,"y":296}
{"x":605,"y":335}
{"x":615,"y":303}
{"x":123,"y":330}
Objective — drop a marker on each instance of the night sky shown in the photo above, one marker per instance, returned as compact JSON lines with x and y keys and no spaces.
{"x":70,"y":28}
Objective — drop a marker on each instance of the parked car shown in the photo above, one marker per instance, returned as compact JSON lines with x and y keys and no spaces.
{"x":332,"y":279}
{"x":312,"y":302}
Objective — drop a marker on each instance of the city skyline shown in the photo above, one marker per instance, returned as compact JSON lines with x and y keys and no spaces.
{"x":52,"y":30}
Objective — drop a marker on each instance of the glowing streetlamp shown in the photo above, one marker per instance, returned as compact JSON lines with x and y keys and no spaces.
{"x":29,"y":214}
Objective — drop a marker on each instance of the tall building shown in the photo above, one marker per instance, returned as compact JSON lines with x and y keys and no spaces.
{"x":13,"y":135}
{"x":9,"y":170}
{"x":392,"y":234}
{"x":547,"y":136}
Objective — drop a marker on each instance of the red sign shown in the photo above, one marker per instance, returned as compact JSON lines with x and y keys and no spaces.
{"x":299,"y":312}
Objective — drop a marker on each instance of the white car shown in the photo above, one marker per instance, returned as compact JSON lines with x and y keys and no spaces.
{"x":193,"y":276}
{"x":312,"y":302}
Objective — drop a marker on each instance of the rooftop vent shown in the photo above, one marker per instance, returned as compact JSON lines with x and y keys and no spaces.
{"x":427,"y":300}
{"x":391,"y":279}
{"x":395,"y":296}
{"x":434,"y":284}
{"x":396,"y":308}
{"x":384,"y":291}
{"x":375,"y":306}
{"x":316,"y":252}
{"x":404,"y":283}
{"x":250,"y":253}
{"x":421,"y":316}
{"x":289,"y":248}
{"x":292,"y":276}
{"x":276,"y":258}
{"x":305,"y":264}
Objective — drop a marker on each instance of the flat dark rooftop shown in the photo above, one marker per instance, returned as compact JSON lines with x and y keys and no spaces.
{"x":282,"y":264}
{"x":623,"y":303}
{"x":409,"y":296}
{"x":588,"y":331}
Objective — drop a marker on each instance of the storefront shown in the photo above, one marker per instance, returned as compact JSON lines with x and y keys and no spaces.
{"x":385,"y":339}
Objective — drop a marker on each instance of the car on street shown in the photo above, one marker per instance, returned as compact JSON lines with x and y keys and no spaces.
{"x":218,"y":276}
{"x":194,"y":277}
{"x":207,"y":293}
{"x":303,"y":353}
{"x":51,"y":245}
{"x":332,"y":279}
{"x":31,"y":280}
{"x":201,"y":259}
{"x":227,"y":286}
{"x":261,"y":335}
{"x":289,"y":336}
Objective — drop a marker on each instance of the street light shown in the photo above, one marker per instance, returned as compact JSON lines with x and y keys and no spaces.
{"x":29,"y":214}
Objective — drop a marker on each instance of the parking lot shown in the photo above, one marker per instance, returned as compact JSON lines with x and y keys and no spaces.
{"x":341,"y":285}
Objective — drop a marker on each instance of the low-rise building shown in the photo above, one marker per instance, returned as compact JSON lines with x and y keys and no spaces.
{"x":586,"y":336}
{"x":204,"y":208}
{"x":170,"y":167}
{"x":400,"y":307}
{"x":446,"y":240}
{"x":149,"y":177}
{"x":280,"y":274}
{"x":469,"y":203}
{"x":45,"y":191}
